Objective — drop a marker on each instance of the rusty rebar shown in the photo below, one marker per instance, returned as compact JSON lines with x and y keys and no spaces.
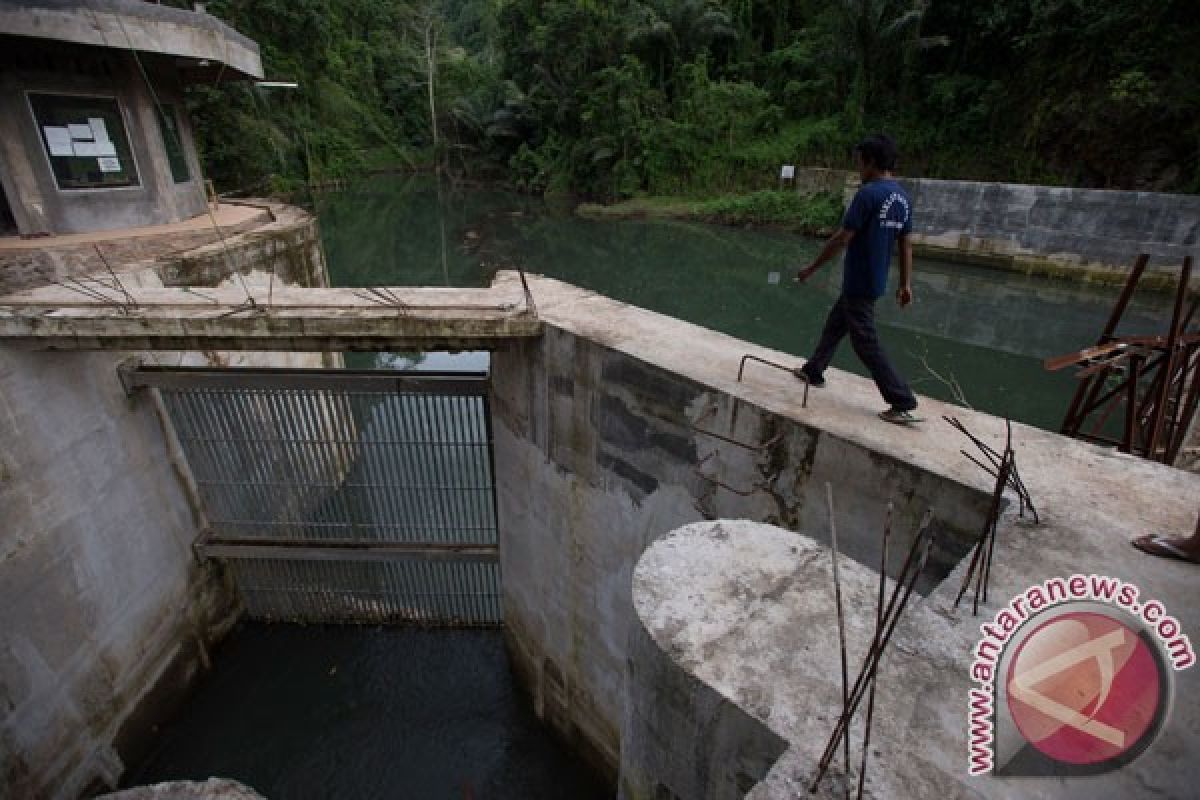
{"x":1015,"y":482}
{"x":914,"y":566}
{"x":841,"y":624}
{"x":791,"y":371}
{"x":883,"y":557}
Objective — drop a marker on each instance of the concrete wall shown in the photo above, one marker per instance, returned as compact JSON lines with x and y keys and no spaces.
{"x":103,"y":604}
{"x":598,"y":453}
{"x":681,"y":738}
{"x":105,"y":615}
{"x":38,"y":205}
{"x":1092,"y":233}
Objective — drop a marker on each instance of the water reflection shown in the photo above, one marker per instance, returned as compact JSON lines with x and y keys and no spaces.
{"x":986,"y":330}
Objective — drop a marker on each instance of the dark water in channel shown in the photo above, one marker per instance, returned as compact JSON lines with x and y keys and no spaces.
{"x":346,"y":712}
{"x":987,"y":330}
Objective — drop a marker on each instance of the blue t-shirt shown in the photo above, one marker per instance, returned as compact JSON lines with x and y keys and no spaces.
{"x":879,"y":212}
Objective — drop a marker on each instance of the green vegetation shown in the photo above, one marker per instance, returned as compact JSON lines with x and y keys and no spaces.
{"x":818,"y":213}
{"x":769,"y":208}
{"x":703,"y":98}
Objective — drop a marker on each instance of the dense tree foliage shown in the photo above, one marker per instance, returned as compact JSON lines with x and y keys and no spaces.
{"x":609,"y":98}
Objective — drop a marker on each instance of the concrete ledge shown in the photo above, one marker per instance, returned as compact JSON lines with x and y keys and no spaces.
{"x":133,"y":24}
{"x":61,"y":318}
{"x":35,"y":262}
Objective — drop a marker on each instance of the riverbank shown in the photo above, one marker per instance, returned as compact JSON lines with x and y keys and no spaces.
{"x":814,"y":214}
{"x":1080,"y":235}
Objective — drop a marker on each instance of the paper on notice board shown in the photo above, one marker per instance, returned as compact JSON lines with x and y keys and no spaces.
{"x":105,"y":148}
{"x":58,"y":139}
{"x":86,"y":149}
{"x":80,"y":131}
{"x":99,"y":132}
{"x":109,"y":164}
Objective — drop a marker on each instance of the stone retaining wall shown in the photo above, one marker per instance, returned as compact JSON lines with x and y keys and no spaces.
{"x":1090,"y":234}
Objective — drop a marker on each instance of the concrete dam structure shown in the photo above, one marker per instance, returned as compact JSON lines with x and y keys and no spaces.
{"x":688,"y":653}
{"x":641,"y":508}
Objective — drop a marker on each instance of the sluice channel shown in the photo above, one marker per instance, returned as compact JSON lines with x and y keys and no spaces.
{"x":328,"y":711}
{"x":366,"y":498}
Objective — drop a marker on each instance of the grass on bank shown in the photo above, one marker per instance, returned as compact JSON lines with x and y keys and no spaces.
{"x":814,"y":215}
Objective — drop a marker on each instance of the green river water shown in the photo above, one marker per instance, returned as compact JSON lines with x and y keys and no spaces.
{"x":985,"y":329}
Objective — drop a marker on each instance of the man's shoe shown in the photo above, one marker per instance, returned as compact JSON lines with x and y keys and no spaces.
{"x":900,"y":417}
{"x":804,"y":376}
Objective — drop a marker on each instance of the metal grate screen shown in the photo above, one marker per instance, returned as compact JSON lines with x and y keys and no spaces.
{"x":340,"y":496}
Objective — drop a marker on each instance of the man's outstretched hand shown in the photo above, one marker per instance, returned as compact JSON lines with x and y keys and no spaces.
{"x":904,"y":296}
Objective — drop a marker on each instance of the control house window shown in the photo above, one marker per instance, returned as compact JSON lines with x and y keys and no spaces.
{"x":85,"y":140}
{"x":168,"y":124}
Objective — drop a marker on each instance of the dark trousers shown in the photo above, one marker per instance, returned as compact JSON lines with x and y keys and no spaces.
{"x":856,"y":316}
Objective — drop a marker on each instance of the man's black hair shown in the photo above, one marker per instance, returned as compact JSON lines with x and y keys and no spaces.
{"x":879,"y":150}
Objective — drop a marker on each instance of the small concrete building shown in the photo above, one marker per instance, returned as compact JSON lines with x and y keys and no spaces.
{"x":93,"y":130}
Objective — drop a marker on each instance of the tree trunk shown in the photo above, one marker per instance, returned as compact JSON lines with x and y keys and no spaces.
{"x":431,"y":71}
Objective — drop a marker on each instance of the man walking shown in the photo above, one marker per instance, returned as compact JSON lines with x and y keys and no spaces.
{"x":879,"y":215}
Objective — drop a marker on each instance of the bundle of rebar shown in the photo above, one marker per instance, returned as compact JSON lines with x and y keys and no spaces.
{"x":886,"y":619}
{"x":994,"y":461}
{"x":1004,"y":469}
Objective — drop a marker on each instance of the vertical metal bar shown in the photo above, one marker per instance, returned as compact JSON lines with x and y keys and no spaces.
{"x":288,"y":471}
{"x":491,"y":453}
{"x":341,"y":464}
{"x":445,"y":467}
{"x":257,"y":453}
{"x":273,"y":463}
{"x":1135,"y":275}
{"x":233,"y":418}
{"x":1189,"y":409}
{"x":217,"y":430}
{"x":432,"y":471}
{"x":307,"y":480}
{"x":202,"y":452}
{"x":313,"y":485}
{"x":361,"y":493}
{"x":473,"y":476}
{"x":369,"y":454}
{"x":415,"y":513}
{"x":453,"y":415}
{"x":1156,"y":424}
{"x":481,"y":479}
{"x":322,"y":452}
{"x":483,"y":455}
{"x":350,"y":434}
{"x":1178,"y":381}
{"x":1089,"y":387}
{"x":1135,"y":363}
{"x":392,"y":456}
